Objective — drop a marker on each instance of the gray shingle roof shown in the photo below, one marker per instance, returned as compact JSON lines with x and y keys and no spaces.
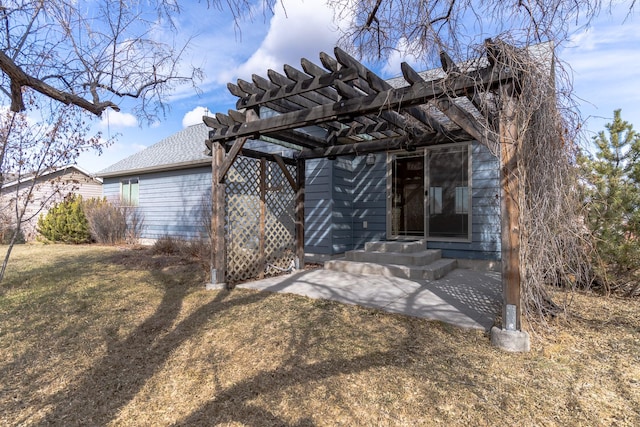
{"x":185,"y":147}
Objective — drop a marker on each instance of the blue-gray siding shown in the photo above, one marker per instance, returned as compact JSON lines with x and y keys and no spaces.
{"x":342,"y":194}
{"x":370,"y":200}
{"x":171,"y":203}
{"x":319,"y":207}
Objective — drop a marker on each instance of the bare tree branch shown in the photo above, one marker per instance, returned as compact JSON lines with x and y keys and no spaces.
{"x":19,"y":79}
{"x":89,"y":55}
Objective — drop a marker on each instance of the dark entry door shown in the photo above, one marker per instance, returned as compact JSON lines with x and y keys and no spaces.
{"x":407,"y":196}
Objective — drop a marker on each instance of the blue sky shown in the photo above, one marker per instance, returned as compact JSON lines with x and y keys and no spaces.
{"x":603,"y":58}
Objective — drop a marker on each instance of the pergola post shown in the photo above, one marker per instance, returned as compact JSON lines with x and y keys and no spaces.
{"x":217,"y":218}
{"x":300,"y":183}
{"x":510,"y":336}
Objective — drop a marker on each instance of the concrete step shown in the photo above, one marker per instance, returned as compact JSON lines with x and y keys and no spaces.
{"x":396,"y":246}
{"x":432,"y":271}
{"x":439,"y":268}
{"x":421,"y":258}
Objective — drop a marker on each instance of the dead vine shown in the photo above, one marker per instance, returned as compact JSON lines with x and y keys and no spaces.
{"x":554,"y":243}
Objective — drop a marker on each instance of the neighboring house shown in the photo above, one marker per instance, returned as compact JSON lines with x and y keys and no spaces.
{"x":50,"y":188}
{"x":345,"y":199}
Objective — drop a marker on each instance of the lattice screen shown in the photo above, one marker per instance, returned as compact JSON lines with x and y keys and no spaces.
{"x":259,"y":220}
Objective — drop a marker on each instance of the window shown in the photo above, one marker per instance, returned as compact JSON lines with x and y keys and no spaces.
{"x":462,"y":200}
{"x":449,"y":177}
{"x":435,"y":201}
{"x":129,"y":191}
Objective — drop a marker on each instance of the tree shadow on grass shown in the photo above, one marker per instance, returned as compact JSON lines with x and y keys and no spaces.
{"x":128,"y":363}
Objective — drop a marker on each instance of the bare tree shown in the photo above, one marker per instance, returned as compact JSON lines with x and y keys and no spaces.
{"x":423,"y":28}
{"x":30,"y":150}
{"x":91,"y":54}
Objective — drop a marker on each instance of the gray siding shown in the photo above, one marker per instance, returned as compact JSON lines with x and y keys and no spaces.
{"x":342,"y":195}
{"x":342,"y":190}
{"x":171,"y":202}
{"x":369,"y":200}
{"x":329,"y":206}
{"x":318,"y":207}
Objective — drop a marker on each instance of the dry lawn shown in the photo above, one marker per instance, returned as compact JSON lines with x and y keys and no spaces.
{"x":106,"y":336}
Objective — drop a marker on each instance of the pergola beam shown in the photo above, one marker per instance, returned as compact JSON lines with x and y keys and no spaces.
{"x":297,"y":88}
{"x":397,"y":143}
{"x":479,"y":131}
{"x":253,"y":154}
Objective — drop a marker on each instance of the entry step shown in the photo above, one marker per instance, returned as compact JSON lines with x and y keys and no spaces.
{"x":432,"y":271}
{"x":419,"y":258}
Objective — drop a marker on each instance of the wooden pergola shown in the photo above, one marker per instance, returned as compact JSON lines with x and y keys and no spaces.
{"x":343,"y":108}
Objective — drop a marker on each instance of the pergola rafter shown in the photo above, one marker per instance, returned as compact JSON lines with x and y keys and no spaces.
{"x":354,"y":105}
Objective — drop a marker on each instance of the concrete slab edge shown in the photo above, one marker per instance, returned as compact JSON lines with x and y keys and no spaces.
{"x":513,"y":341}
{"x":215,"y":286}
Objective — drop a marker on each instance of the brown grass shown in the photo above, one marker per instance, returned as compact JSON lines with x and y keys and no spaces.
{"x":105,"y":336}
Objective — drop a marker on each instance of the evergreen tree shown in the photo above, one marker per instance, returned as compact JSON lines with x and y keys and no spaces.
{"x":66,"y":222}
{"x":611,"y":188}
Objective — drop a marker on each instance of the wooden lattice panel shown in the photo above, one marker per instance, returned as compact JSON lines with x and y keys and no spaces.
{"x":280,"y":220}
{"x":259,"y":241}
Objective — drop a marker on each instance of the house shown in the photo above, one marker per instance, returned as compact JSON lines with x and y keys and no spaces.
{"x":167,"y":181}
{"x":49,"y":188}
{"x":348,"y":201}
{"x":440,"y":155}
{"x":329,"y":159}
{"x":170,"y":184}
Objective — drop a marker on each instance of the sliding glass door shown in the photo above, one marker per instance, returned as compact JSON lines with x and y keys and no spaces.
{"x":429,"y":194}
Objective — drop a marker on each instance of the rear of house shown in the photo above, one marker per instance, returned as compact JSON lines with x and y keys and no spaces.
{"x":448,"y":195}
{"x":445,"y":194}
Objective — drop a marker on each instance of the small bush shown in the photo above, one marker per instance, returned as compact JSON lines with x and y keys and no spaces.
{"x":198,"y":250}
{"x":8,"y":229}
{"x":111,"y":223}
{"x":6,"y":235}
{"x":167,"y":245}
{"x":106,"y":222}
{"x":66,"y":222}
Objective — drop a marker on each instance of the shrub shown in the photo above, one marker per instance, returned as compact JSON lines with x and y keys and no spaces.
{"x":66,"y":222}
{"x":8,"y":229}
{"x":168,"y":245}
{"x":111,"y":223}
{"x":6,"y":234}
{"x":196,"y":250}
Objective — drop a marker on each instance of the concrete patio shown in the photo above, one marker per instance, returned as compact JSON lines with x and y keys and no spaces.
{"x":465,"y":298}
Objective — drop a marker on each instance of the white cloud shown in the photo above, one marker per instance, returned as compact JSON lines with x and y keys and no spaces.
{"x":299,"y":30}
{"x":603,"y":59}
{"x":402,"y":53}
{"x":116,"y":119}
{"x":194,"y":116}
{"x":263,"y":40}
